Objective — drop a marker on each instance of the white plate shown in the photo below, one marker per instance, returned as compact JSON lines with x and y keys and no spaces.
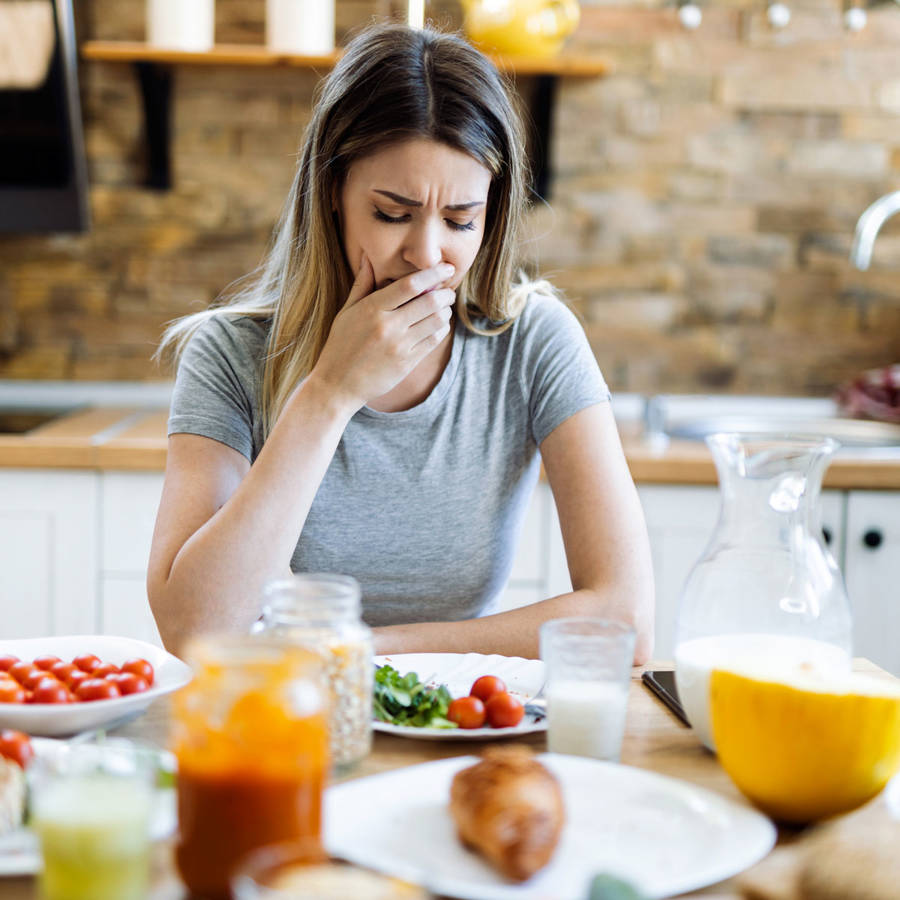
{"x":19,"y":851}
{"x":664,"y":835}
{"x":52,"y":720}
{"x":523,"y":677}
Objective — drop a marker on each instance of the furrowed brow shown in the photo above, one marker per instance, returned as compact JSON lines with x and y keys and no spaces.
{"x":406,"y":201}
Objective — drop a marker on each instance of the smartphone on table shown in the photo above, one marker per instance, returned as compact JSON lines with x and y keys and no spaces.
{"x":662,"y":683}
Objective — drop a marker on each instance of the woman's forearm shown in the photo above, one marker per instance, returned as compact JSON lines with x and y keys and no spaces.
{"x":515,"y":633}
{"x":216,"y":578}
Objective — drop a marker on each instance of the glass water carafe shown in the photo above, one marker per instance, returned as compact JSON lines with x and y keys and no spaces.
{"x":766,"y":591}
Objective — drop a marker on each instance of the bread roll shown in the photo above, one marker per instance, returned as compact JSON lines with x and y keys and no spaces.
{"x":509,"y":808}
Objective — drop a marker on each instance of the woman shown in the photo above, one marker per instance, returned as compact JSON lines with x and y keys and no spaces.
{"x":372,"y":400}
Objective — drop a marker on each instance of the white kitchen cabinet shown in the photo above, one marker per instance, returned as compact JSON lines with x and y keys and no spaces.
{"x":873,"y":575}
{"x":680,"y":521}
{"x":129,"y":502}
{"x":48,"y":552}
{"x":125,"y":610}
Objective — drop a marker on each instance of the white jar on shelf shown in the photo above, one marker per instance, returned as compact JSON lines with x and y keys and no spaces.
{"x":304,"y":27}
{"x":181,"y":24}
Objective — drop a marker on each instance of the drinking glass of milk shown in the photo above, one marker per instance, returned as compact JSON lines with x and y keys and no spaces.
{"x":588,"y":663}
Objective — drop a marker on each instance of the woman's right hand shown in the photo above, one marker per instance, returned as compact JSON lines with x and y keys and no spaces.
{"x":380,"y":336}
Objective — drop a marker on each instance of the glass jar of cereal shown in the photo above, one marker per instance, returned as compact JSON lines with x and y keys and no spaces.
{"x":322,"y":612}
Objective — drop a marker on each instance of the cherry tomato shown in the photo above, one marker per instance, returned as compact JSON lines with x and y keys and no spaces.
{"x":76,"y":678}
{"x":139,"y":667}
{"x":485,"y":687}
{"x":8,"y":660}
{"x":15,"y":746}
{"x":129,"y":683}
{"x":96,"y":689}
{"x":50,"y":691}
{"x":103,"y":670}
{"x":467,"y":712}
{"x":11,"y":691}
{"x":21,"y":670}
{"x":87,"y":662}
{"x":35,"y":678}
{"x":62,"y":670}
{"x":504,"y":711}
{"x":46,"y":662}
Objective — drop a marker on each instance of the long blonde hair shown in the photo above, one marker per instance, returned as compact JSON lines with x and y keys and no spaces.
{"x":393,"y":83}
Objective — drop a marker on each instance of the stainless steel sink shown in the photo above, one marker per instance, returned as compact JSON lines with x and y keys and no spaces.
{"x":850,"y":433}
{"x":22,"y":419}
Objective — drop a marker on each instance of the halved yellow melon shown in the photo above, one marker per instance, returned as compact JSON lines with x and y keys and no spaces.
{"x":804,"y":746}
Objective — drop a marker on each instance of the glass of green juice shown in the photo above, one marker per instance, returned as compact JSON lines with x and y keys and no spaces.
{"x":90,"y":808}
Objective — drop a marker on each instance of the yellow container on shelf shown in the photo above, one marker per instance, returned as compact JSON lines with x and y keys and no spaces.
{"x":535,"y":28}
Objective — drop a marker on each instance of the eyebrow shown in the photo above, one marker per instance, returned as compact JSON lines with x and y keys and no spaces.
{"x":405,"y":201}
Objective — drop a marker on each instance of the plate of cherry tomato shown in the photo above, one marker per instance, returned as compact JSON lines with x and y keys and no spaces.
{"x":55,"y":686}
{"x":489,"y":693}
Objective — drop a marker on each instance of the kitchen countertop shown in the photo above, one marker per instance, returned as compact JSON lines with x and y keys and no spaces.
{"x":654,"y":740}
{"x":134,"y":438}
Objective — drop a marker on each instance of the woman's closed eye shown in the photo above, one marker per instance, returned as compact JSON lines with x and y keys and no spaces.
{"x":398,"y":220}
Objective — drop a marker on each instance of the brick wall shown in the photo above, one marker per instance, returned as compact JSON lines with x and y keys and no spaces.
{"x":704,"y":199}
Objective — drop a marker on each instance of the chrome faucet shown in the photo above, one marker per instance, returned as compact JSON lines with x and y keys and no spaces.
{"x":869,"y":225}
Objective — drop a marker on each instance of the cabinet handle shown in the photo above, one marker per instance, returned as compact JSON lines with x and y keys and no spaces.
{"x":873,"y":538}
{"x":827,"y":535}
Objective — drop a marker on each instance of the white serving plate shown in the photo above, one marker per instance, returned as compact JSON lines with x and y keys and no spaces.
{"x":19,"y":850}
{"x":55,"y":720}
{"x":523,"y":677}
{"x":664,"y":835}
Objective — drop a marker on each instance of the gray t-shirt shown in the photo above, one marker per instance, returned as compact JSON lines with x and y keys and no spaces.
{"x":423,"y":507}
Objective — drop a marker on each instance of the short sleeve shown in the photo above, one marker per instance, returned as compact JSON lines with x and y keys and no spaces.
{"x":216,"y":383}
{"x":560,"y":372}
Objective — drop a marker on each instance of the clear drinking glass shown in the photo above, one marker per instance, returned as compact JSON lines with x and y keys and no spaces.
{"x":766,"y":589}
{"x":90,"y":807}
{"x":322,"y":613}
{"x":588,"y":664}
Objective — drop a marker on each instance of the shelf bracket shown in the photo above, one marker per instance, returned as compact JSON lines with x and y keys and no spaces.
{"x":156,"y":81}
{"x":542,"y":100}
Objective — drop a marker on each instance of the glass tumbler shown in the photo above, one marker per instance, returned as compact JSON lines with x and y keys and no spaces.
{"x":90,"y":807}
{"x":588,"y":664}
{"x":251,"y":739}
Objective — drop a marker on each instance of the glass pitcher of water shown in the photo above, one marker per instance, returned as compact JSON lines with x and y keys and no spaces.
{"x":766,"y":591}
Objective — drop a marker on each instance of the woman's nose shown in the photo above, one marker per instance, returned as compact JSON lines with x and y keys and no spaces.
{"x":423,"y":247}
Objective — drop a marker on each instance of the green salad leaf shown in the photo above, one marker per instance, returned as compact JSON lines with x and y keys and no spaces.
{"x":404,"y":700}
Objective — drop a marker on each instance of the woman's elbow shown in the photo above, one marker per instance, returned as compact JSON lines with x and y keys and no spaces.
{"x":170,"y":632}
{"x":644,"y":623}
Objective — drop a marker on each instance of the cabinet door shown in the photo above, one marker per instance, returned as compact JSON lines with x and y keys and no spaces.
{"x":125,"y":610}
{"x":680,"y":521}
{"x":128,"y":513}
{"x":48,"y":552}
{"x":872,"y":573}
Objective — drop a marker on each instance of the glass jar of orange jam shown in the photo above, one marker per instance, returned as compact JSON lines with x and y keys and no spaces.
{"x":251,"y":739}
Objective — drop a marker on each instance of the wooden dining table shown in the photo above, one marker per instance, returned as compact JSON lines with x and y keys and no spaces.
{"x":654,"y":739}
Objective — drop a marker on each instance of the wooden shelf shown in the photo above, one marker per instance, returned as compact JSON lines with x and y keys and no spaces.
{"x":252,"y":55}
{"x":154,"y":67}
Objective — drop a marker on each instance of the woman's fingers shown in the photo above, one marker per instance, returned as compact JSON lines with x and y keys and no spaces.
{"x":410,"y":286}
{"x":436,"y":323}
{"x":364,"y":283}
{"x":419,"y":309}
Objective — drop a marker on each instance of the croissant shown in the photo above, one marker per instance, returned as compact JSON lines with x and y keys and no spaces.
{"x":509,"y":808}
